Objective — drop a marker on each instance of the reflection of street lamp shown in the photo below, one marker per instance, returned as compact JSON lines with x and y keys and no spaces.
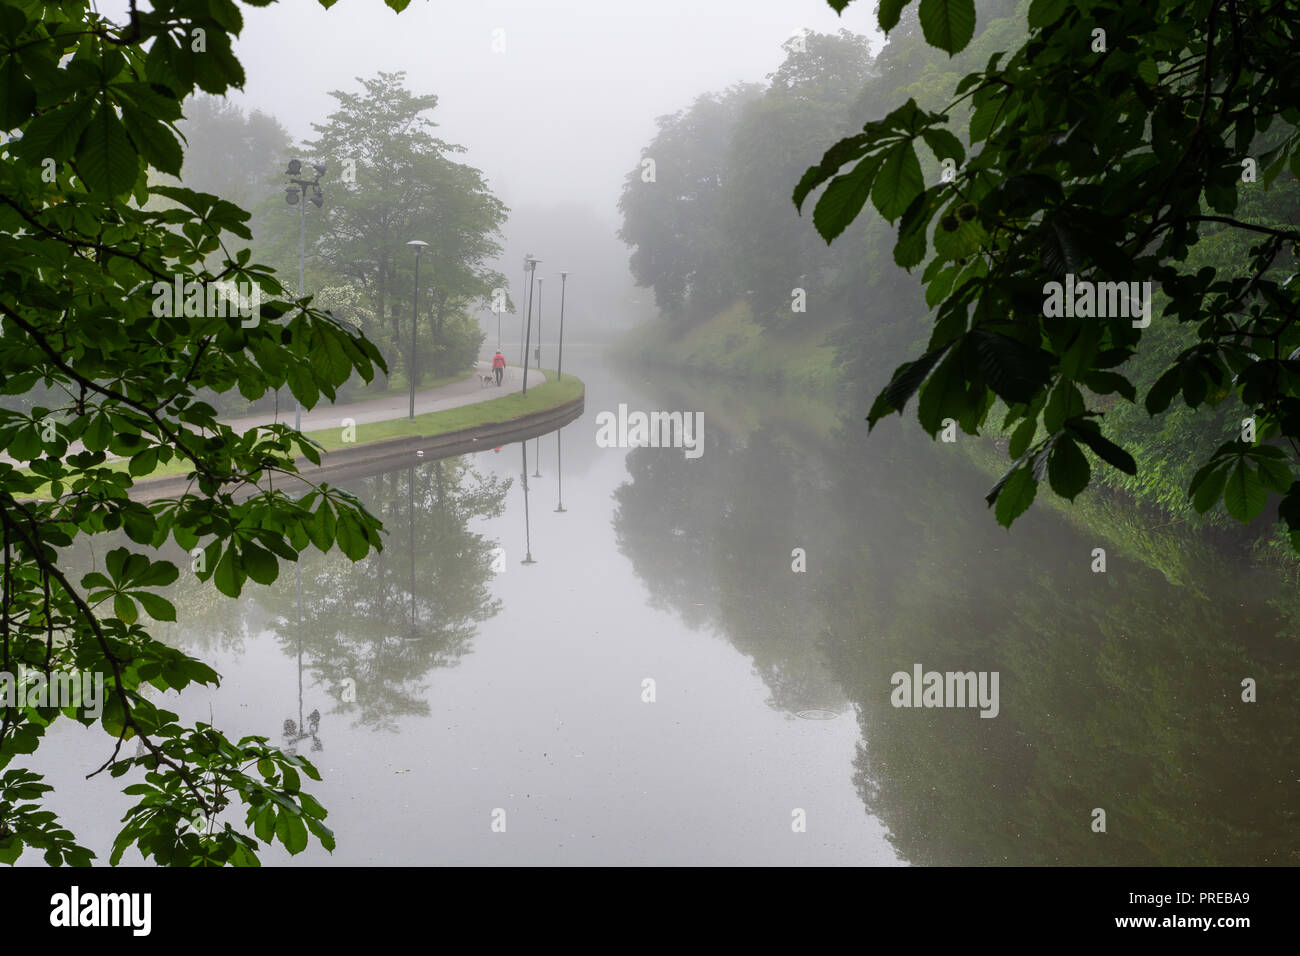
{"x":528,"y":334}
{"x":415,"y":315}
{"x":528,"y":539}
{"x":294,"y":733}
{"x":410,"y":507}
{"x":291,"y":195}
{"x":559,"y":365}
{"x":559,"y":474}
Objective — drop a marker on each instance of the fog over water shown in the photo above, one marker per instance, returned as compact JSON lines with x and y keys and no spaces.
{"x":749,"y":654}
{"x":495,"y":656}
{"x":561,"y":113}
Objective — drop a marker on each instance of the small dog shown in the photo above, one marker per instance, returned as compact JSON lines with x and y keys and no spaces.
{"x":487,"y":380}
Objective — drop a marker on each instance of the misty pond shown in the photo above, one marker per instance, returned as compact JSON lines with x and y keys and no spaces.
{"x":569,"y":654}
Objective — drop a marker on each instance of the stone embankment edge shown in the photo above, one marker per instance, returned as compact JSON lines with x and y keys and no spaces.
{"x":373,"y":458}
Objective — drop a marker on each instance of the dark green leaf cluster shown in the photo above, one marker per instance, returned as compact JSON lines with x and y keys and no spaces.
{"x":92,"y":252}
{"x":1116,"y":138}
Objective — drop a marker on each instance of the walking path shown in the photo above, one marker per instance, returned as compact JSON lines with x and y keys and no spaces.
{"x":467,"y":392}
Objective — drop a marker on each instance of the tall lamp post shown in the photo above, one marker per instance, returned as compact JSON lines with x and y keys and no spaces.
{"x":559,"y":366}
{"x":415,"y":320}
{"x":292,"y":195}
{"x":528,"y":333}
{"x":523,"y":296}
{"x":537,"y":355}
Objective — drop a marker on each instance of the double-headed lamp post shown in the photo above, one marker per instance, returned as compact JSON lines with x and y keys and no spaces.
{"x":292,"y":195}
{"x":415,"y":320}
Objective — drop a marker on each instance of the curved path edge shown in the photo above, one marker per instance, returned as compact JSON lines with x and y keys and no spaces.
{"x":373,"y":458}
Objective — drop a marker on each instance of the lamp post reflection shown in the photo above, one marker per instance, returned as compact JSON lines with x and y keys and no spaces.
{"x":559,"y":474}
{"x":528,"y":539}
{"x":295,"y":733}
{"x":410,"y":508}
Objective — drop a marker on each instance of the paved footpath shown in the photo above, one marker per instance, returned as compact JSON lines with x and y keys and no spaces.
{"x":466,"y":392}
{"x":324,"y":415}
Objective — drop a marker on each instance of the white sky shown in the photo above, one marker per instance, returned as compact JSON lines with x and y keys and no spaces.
{"x":562,"y":113}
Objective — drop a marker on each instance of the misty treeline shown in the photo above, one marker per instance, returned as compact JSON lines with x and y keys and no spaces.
{"x":389,"y":179}
{"x":707,"y":211}
{"x":712,"y":227}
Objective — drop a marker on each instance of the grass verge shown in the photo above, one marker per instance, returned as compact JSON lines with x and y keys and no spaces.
{"x":507,"y":408}
{"x":549,"y":394}
{"x":733,"y":345}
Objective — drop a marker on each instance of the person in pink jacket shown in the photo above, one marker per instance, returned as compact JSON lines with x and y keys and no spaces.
{"x":498,"y":366}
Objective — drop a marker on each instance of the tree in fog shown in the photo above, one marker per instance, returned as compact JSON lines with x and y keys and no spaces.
{"x":672,"y":222}
{"x":396,"y":182}
{"x":772,"y":249}
{"x":232,"y":154}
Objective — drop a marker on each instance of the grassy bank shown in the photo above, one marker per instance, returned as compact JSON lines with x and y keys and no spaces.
{"x":733,"y":345}
{"x":549,"y":394}
{"x":432,"y":424}
{"x":228,"y":405}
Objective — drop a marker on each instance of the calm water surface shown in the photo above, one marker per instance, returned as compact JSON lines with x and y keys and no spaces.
{"x":498,"y":653}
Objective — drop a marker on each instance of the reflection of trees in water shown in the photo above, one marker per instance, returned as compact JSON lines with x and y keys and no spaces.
{"x":388,"y":620}
{"x":712,"y":538}
{"x":356,"y":619}
{"x":208,"y":622}
{"x":1117,"y":690}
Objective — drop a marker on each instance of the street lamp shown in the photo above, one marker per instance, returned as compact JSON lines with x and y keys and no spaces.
{"x":523,"y":296}
{"x":537,"y":357}
{"x":415,"y":316}
{"x":292,"y":194}
{"x":528,"y":333}
{"x":559,"y":365}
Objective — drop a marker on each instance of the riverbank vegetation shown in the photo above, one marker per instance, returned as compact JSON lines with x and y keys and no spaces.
{"x":939,"y":241}
{"x":92,"y":223}
{"x":550,"y":394}
{"x":357,"y":265}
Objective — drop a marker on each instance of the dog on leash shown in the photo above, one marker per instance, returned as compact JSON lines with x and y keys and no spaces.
{"x":487,"y":380}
